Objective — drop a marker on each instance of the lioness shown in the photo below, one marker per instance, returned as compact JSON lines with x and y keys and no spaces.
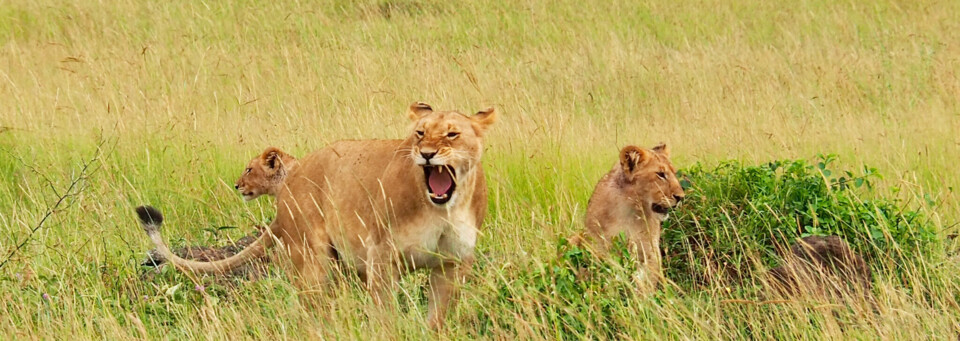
{"x":633,"y":199}
{"x":384,"y":207}
{"x":265,"y":173}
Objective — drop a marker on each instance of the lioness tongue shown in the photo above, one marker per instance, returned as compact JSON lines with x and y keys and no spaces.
{"x":440,"y":180}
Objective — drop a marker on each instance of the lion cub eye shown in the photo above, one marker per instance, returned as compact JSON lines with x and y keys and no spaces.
{"x":662,"y":175}
{"x":248,"y":170}
{"x":420,"y":133}
{"x":452,"y":135}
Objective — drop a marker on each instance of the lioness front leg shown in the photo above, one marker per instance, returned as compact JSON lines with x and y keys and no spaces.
{"x":382,"y":274}
{"x":314,"y":268}
{"x":445,"y":281}
{"x":312,"y":260}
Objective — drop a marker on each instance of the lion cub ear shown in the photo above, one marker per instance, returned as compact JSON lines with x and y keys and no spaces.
{"x":271,"y":157}
{"x":418,"y":110}
{"x":484,"y":118}
{"x":662,"y":149}
{"x":631,"y":158}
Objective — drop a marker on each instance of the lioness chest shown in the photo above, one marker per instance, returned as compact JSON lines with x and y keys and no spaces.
{"x":432,"y":239}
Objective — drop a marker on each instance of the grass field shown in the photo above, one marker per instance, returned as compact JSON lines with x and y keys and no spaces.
{"x":180,"y":95}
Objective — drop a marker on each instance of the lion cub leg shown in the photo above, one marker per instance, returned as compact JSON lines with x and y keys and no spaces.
{"x":649,"y":251}
{"x":445,"y":281}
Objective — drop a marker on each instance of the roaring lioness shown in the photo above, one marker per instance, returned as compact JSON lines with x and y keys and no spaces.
{"x":265,"y":173}
{"x":383,"y":207}
{"x":633,"y":199}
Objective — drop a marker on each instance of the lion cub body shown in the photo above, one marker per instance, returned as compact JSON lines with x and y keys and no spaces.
{"x":632,"y":200}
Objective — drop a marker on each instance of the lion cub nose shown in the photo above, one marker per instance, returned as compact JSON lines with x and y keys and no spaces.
{"x":678,"y":198}
{"x":427,"y":156}
{"x":237,"y":186}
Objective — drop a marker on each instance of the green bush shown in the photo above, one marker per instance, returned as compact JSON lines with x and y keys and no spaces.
{"x":576,"y":295}
{"x":736,"y":216}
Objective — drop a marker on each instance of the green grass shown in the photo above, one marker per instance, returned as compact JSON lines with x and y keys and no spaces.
{"x":184,"y":94}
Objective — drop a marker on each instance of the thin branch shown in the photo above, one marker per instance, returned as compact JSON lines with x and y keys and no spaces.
{"x":749,"y":302}
{"x":62,"y":198}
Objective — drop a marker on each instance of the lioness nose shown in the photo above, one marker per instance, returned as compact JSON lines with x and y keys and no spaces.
{"x":427,"y":156}
{"x":678,"y":198}
{"x":237,"y":186}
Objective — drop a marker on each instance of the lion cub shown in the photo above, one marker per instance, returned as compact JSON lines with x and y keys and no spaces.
{"x":265,"y":174}
{"x":825,"y":267}
{"x":633,"y":199}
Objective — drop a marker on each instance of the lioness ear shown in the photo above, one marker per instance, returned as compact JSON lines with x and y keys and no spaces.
{"x":271,"y":157}
{"x":631,"y":157}
{"x":418,"y":110}
{"x":662,"y":149}
{"x":484,"y":118}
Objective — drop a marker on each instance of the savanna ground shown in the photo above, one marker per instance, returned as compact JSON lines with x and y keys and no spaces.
{"x":179,"y":95}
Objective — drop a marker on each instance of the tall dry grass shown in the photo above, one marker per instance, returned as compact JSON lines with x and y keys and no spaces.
{"x":184,"y":93}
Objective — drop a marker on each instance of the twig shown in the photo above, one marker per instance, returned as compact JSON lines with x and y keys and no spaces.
{"x":62,"y":198}
{"x":756,"y":302}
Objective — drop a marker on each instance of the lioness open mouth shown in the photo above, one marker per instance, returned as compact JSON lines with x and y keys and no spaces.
{"x":660,"y":209}
{"x":440,"y":183}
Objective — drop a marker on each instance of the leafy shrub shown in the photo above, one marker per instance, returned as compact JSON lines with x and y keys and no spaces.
{"x":576,"y":295}
{"x":736,"y":215}
{"x":733,"y":217}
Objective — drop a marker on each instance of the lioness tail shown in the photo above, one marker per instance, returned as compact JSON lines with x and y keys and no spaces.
{"x":151,"y":219}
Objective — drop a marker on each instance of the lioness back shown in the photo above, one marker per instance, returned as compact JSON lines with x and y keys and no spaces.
{"x":346,"y":174}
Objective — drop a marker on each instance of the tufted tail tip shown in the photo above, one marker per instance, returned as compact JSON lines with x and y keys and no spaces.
{"x":150,"y":217}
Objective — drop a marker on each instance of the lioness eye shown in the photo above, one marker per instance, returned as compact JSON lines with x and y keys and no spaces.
{"x":420,"y":133}
{"x":248,"y":170}
{"x":453,"y":135}
{"x":662,"y":175}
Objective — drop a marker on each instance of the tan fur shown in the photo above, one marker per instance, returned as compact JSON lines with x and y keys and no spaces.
{"x":367,"y":203}
{"x":265,"y":173}
{"x":624,"y":202}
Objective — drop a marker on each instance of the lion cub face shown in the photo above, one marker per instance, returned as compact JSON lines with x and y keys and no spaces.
{"x":650,"y":180}
{"x":447,"y":145}
{"x":265,"y":174}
